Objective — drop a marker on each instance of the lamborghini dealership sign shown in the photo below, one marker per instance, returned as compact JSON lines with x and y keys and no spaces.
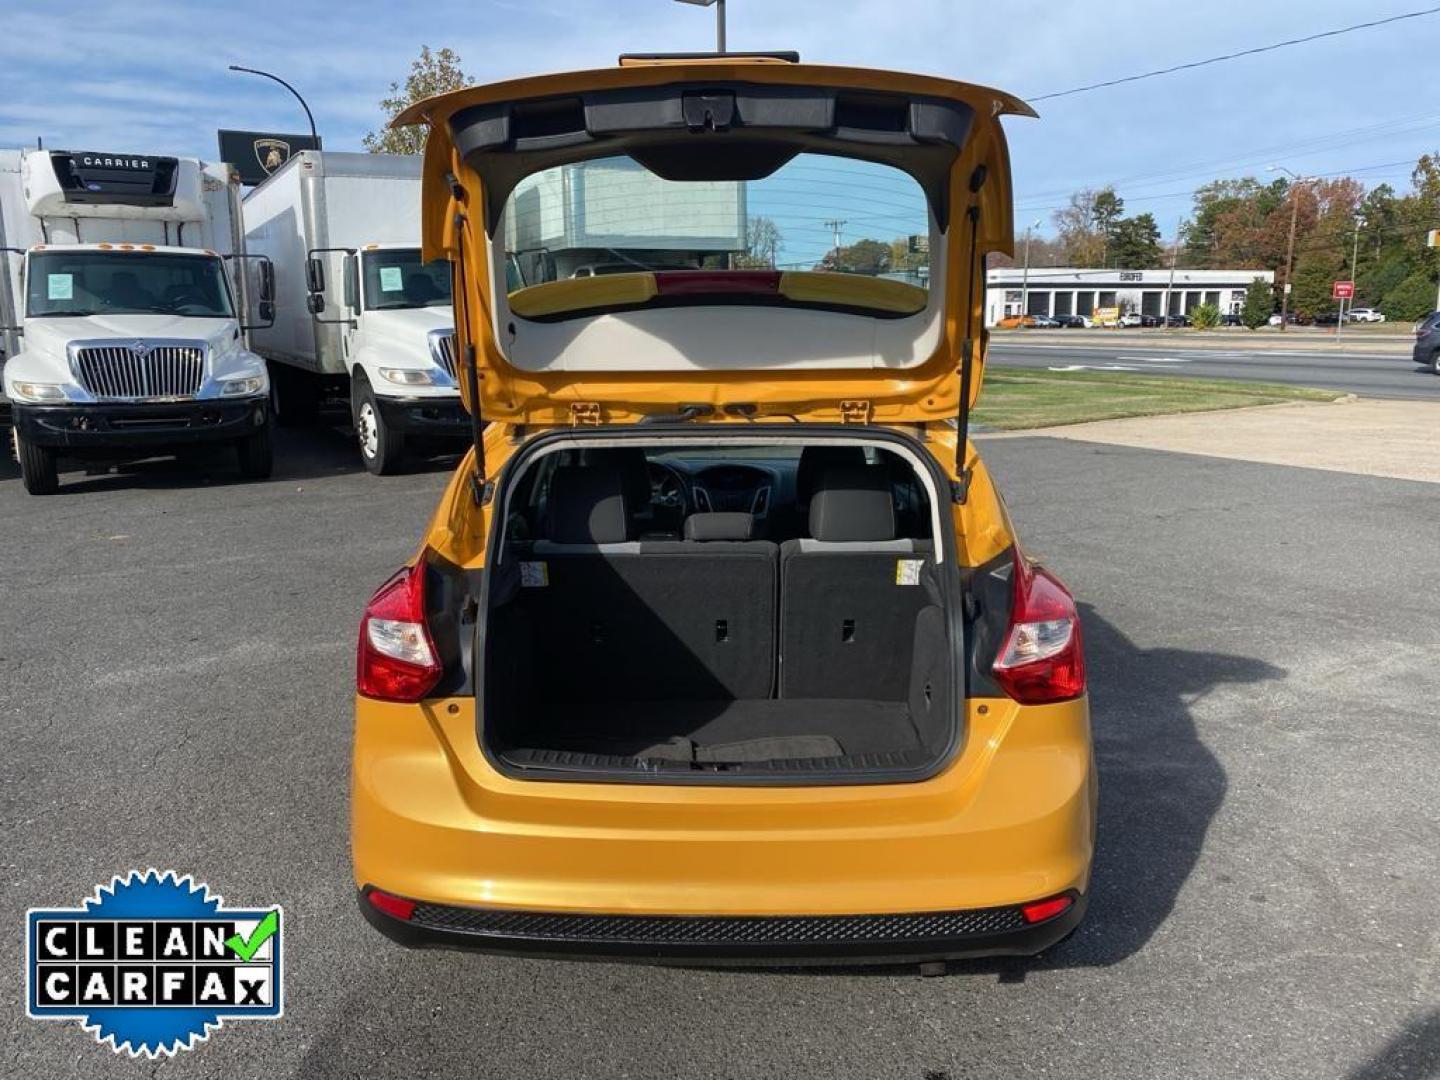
{"x":257,"y":154}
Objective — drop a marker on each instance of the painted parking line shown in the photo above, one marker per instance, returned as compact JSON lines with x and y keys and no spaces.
{"x":1096,"y":367}
{"x":1157,"y":359}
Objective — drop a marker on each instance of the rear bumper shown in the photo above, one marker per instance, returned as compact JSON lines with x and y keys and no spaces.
{"x":790,"y":939}
{"x":442,"y":417}
{"x":181,"y":423}
{"x":1423,"y":351}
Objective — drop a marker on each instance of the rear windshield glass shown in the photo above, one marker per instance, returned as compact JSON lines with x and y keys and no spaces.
{"x":815,"y":213}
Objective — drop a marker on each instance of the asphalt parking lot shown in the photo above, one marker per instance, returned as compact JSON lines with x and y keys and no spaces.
{"x":176,"y":651}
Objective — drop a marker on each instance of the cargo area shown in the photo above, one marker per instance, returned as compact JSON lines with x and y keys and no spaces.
{"x":682,"y":611}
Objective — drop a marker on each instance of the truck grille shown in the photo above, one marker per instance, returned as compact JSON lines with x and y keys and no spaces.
{"x":445,"y":352}
{"x":125,"y":373}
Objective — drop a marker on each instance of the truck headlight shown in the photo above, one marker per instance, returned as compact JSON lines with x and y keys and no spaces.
{"x":252,"y":384}
{"x":407,"y":376}
{"x":40,"y":392}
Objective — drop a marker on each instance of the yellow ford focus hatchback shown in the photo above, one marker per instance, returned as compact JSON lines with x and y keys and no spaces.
{"x":720,"y":645}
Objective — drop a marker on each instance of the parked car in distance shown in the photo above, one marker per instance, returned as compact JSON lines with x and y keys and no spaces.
{"x":1328,"y":318}
{"x":1151,"y":320}
{"x":1364,"y":314}
{"x":1427,"y":342}
{"x":1291,"y":319}
{"x":1044,"y":322}
{"x":1132,"y":318}
{"x":1072,"y":322}
{"x":1231,"y":318}
{"x":1177,"y":320}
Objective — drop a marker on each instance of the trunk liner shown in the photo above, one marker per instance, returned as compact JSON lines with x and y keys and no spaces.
{"x":739,"y":731}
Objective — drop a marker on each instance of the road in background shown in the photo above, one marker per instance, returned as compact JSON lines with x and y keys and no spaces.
{"x":1369,"y":373}
{"x":177,"y":653}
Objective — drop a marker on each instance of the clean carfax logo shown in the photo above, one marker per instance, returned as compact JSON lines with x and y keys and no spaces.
{"x":152,"y":963}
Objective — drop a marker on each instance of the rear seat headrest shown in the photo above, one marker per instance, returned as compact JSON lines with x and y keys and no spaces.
{"x":852,"y":504}
{"x":719,"y":526}
{"x":586,"y":505}
{"x":815,"y":461}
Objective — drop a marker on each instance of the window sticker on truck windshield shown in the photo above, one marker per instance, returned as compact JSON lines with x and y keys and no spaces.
{"x":907,"y":571}
{"x":60,"y":286}
{"x":391,"y":279}
{"x":152,"y":963}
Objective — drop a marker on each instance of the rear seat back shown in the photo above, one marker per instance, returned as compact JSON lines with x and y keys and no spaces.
{"x":850,"y":594}
{"x":624,"y":620}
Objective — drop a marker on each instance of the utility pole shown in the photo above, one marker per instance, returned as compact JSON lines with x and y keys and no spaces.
{"x":1025,"y":275}
{"x":1297,"y":180}
{"x":314,"y":136}
{"x":835,"y":225}
{"x":719,"y":19}
{"x":1170,"y":288}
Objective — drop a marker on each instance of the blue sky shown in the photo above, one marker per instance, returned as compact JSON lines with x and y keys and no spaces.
{"x":151,"y":77}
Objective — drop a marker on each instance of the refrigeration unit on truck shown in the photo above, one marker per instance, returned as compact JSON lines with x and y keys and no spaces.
{"x":357,"y":312}
{"x":125,"y":299}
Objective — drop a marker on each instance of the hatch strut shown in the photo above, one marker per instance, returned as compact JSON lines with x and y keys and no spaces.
{"x":961,"y":489}
{"x":480,"y":488}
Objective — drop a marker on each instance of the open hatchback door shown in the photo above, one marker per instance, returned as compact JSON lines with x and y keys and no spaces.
{"x":735,"y":239}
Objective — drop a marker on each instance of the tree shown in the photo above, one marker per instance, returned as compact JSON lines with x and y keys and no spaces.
{"x":1259,"y":303}
{"x":1078,"y":224}
{"x":862,"y":257}
{"x":1205,"y":316}
{"x":433,"y":73}
{"x":1412,"y":299}
{"x":1135,"y":243}
{"x":762,"y":245}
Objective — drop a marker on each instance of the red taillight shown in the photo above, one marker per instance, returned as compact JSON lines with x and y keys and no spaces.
{"x":396,"y":659}
{"x":1041,"y":659}
{"x":1041,"y":910}
{"x":702,"y":282}
{"x":396,"y":906}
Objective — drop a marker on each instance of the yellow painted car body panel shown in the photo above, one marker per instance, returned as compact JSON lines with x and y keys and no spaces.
{"x":1011,"y":819}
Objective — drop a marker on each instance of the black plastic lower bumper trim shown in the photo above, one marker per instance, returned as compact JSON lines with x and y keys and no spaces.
{"x":442,"y":417}
{"x":790,"y":939}
{"x":180,"y":423}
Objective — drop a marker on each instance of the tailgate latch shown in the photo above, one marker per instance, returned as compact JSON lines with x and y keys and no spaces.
{"x":855,"y":412}
{"x":585,"y":414}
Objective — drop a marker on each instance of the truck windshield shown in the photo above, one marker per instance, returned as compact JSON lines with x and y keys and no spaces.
{"x":127,"y":283}
{"x":398,"y":279}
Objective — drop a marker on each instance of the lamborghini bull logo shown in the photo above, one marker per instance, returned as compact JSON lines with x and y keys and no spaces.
{"x":271,"y":153}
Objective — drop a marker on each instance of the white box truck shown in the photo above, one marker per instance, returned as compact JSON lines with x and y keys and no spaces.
{"x":125,"y":293}
{"x":356,"y":311}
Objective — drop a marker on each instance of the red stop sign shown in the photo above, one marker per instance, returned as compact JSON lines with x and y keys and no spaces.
{"x":1343,"y":290}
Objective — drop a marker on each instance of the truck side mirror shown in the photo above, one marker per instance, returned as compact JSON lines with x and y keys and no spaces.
{"x":267,"y":283}
{"x":315,"y":303}
{"x":314,"y":276}
{"x":267,"y":312}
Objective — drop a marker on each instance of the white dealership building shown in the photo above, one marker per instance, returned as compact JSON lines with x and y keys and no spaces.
{"x":1064,"y":290}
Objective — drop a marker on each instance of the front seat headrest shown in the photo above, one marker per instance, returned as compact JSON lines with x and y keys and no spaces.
{"x":586,"y":505}
{"x":719,"y":526}
{"x":815,"y":461}
{"x":853,"y":504}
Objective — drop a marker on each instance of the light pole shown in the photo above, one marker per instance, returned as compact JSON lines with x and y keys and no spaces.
{"x":1290,"y":243}
{"x":1025,"y":275}
{"x":719,"y":6}
{"x":308,"y":114}
{"x":1170,"y":288}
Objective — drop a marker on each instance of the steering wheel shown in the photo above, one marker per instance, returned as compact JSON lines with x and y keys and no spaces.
{"x":667,"y":488}
{"x":184,"y":300}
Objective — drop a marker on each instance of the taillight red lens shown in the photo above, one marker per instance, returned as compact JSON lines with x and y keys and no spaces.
{"x":1042,"y":659}
{"x":1041,"y":910}
{"x":397,"y":906}
{"x":396,"y":658}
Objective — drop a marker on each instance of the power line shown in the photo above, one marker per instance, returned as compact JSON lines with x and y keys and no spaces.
{"x":1236,"y":55}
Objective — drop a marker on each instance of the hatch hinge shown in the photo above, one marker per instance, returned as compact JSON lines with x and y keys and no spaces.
{"x":855,"y":411}
{"x":584,"y":413}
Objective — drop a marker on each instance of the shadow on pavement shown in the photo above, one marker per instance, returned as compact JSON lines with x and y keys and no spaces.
{"x":300,"y":454}
{"x":1413,"y":1054}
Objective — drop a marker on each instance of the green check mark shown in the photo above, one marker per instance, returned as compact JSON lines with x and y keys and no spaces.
{"x":246,"y":948}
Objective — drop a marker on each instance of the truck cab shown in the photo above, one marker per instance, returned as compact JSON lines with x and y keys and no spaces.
{"x":398,"y":337}
{"x":124,"y":337}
